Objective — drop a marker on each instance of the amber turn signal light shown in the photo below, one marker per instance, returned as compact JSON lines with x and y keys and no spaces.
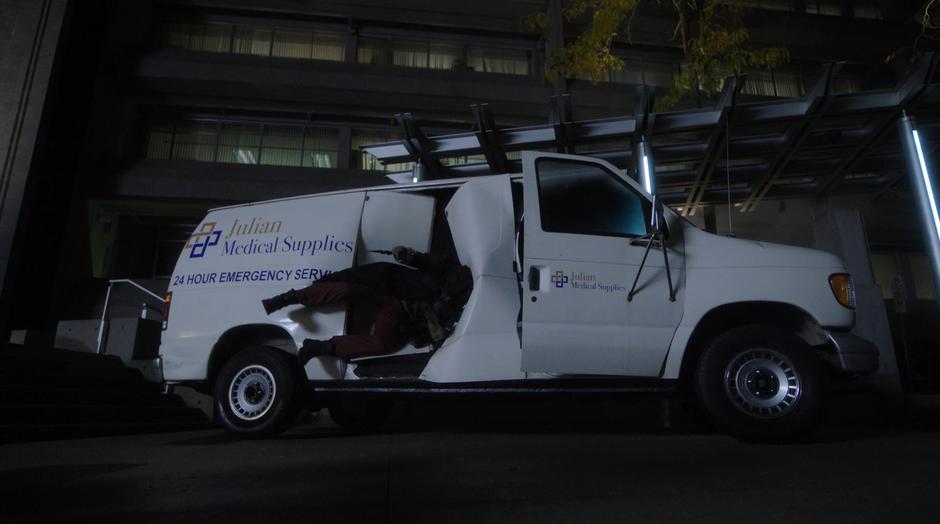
{"x":841,"y":284}
{"x":166,"y":308}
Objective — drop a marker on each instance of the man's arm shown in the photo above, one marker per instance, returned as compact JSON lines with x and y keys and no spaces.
{"x":427,"y":262}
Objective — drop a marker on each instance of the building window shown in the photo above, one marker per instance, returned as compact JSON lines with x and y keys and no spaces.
{"x":409,"y":53}
{"x":258,"y":41}
{"x":824,"y":7}
{"x":243,"y":143}
{"x":444,"y":56}
{"x":462,"y":160}
{"x":159,"y":142}
{"x":283,"y":146}
{"x":770,"y":5}
{"x":213,"y":38}
{"x":495,"y":60}
{"x":425,"y":54}
{"x":870,"y":10}
{"x":195,"y":141}
{"x":774,"y":83}
{"x":643,"y":73}
{"x":321,"y":147}
{"x":239,"y":143}
{"x":252,"y":41}
{"x":372,"y":51}
{"x":312,"y":46}
{"x":362,"y":160}
{"x":639,"y":72}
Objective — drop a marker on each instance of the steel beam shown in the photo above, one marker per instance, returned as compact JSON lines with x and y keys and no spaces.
{"x":488,"y":136}
{"x":814,"y":104}
{"x":912,"y":89}
{"x":419,"y":147}
{"x":703,"y":177}
{"x":560,"y":118}
{"x":821,"y":135}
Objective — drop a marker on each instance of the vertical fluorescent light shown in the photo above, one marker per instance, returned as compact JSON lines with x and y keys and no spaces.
{"x":414,"y":179}
{"x":647,"y":183}
{"x":923,"y":172}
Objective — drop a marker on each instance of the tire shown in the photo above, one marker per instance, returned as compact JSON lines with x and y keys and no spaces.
{"x":362,"y":413}
{"x":762,"y":384}
{"x":256,"y":394}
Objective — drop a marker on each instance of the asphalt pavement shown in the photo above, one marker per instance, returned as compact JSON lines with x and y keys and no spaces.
{"x":567,"y":463}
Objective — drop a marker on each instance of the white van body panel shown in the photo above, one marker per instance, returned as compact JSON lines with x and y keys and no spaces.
{"x":724,"y":270}
{"x":240,"y":255}
{"x":579,"y":320}
{"x":485,"y":343}
{"x":392,"y":219}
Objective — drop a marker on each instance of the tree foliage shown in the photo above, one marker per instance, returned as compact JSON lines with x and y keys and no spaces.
{"x":712,"y":35}
{"x":929,"y":19}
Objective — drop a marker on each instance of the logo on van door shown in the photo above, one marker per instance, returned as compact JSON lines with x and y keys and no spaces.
{"x":204,"y":237}
{"x":559,"y":278}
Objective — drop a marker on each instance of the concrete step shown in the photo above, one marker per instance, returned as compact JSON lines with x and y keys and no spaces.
{"x":21,"y":364}
{"x":36,"y":432}
{"x":50,"y":394}
{"x":74,"y":396}
{"x":55,"y":414}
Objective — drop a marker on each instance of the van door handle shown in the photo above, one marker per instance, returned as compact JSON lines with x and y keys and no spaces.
{"x":535,"y":277}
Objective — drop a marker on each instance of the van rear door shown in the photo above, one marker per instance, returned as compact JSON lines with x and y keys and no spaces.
{"x":583,"y":227}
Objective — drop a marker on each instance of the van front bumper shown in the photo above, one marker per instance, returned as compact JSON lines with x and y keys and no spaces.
{"x":851,"y":354}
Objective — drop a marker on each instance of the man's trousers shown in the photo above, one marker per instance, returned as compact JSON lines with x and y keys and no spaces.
{"x":364,"y":305}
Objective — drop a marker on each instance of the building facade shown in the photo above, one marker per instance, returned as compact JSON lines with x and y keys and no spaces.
{"x":126,"y":121}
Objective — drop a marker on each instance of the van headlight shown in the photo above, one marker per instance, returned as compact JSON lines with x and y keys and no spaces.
{"x":842,"y":288}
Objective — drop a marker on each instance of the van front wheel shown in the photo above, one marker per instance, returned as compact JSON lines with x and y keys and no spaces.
{"x":762,"y":383}
{"x":255,"y":394}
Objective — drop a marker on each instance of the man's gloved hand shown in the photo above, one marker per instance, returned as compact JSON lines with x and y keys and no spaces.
{"x":403,"y":254}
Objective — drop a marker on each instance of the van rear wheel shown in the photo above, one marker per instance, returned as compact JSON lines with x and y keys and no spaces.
{"x":256,"y":394}
{"x":762,"y":383}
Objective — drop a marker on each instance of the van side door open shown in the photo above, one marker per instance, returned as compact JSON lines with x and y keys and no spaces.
{"x":584,"y":229}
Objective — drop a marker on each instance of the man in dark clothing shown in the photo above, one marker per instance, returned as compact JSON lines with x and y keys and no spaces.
{"x":421,"y":302}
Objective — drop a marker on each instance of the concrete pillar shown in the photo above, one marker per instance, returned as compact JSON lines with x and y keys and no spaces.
{"x":344,"y":147}
{"x":710,"y":222}
{"x":841,"y":231}
{"x":29,"y":34}
{"x":352,"y":45}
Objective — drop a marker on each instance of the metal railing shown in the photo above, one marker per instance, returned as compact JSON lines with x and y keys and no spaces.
{"x":103,"y":325}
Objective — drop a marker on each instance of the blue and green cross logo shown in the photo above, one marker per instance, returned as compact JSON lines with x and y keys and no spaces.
{"x":207,"y":235}
{"x":559,"y":278}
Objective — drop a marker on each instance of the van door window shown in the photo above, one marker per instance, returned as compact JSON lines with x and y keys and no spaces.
{"x":583,"y":198}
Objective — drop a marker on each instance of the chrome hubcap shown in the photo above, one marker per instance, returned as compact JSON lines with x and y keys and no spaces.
{"x":763,"y":383}
{"x":251,"y":393}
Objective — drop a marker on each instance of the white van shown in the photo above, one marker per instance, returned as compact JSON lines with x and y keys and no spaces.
{"x":750,"y":329}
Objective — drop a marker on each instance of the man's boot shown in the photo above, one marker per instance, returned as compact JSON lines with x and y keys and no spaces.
{"x":280,"y":301}
{"x":314,"y":348}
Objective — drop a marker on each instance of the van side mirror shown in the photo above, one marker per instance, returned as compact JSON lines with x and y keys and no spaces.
{"x":658,"y":219}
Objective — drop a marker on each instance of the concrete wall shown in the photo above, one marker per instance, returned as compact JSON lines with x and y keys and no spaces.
{"x":29,"y":33}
